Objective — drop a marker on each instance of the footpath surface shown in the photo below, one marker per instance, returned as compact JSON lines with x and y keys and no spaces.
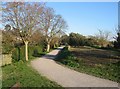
{"x":66,"y":77}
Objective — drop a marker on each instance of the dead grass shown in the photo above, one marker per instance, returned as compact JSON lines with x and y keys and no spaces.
{"x":95,"y":57}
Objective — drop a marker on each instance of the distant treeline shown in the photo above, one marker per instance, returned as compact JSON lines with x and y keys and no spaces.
{"x":76,"y":39}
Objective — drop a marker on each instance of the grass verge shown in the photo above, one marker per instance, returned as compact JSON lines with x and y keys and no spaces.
{"x":21,"y":72}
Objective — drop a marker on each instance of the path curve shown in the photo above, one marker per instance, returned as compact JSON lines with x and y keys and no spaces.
{"x":66,"y":77}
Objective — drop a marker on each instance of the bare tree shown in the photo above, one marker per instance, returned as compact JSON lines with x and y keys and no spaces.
{"x":23,"y":17}
{"x":37,"y":38}
{"x":103,"y":37}
{"x":52,"y":25}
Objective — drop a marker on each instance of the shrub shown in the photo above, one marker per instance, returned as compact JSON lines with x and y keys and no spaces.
{"x":6,"y":49}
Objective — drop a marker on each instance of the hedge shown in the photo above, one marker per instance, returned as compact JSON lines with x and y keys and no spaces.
{"x":19,"y":52}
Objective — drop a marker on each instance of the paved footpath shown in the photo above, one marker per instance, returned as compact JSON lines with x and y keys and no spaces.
{"x":66,"y":77}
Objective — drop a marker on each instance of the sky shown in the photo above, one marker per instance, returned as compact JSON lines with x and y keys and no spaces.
{"x":87,"y":17}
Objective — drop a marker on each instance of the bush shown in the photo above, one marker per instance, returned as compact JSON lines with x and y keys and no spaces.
{"x":6,"y":49}
{"x":38,"y":51}
{"x":63,"y":54}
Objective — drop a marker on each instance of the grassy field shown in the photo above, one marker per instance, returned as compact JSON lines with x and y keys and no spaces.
{"x":97,"y":62}
{"x":21,"y":72}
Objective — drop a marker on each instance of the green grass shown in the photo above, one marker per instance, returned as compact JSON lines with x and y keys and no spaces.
{"x":100,"y":63}
{"x":21,"y":72}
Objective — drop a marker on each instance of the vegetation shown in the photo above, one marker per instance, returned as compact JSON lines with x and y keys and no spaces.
{"x":33,"y":51}
{"x":22,"y":19}
{"x":76,"y":40}
{"x":33,"y":29}
{"x":22,"y":24}
{"x":103,"y":38}
{"x":101,"y":63}
{"x":53,"y":25}
{"x":21,"y":72}
{"x":117,"y":41}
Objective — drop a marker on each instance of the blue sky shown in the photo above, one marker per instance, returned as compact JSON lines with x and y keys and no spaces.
{"x":87,"y":17}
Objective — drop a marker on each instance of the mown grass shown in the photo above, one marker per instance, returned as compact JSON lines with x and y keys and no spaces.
{"x":21,"y":72}
{"x":100,"y":63}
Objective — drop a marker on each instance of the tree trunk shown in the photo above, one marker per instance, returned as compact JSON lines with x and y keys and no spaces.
{"x":48,"y":47}
{"x":26,"y":50}
{"x":54,"y":45}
